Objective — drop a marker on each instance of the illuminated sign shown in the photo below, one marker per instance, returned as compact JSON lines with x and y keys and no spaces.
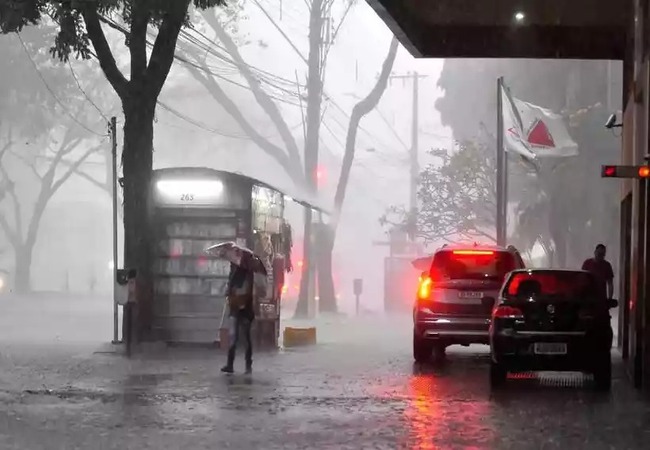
{"x":197,"y":193}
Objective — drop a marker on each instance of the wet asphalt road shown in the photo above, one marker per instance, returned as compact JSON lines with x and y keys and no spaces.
{"x":357,"y":389}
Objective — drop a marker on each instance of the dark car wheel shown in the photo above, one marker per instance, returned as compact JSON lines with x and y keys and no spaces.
{"x":498,"y":374}
{"x":603,"y":372}
{"x":421,"y":349}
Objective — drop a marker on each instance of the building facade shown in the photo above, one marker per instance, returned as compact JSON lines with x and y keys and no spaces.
{"x":635,"y":242}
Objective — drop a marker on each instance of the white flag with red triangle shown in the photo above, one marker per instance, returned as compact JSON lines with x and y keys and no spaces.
{"x":533,"y":131}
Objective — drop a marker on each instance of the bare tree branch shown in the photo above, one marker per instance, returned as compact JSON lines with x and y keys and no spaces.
{"x":281,"y":31}
{"x":162,"y":55}
{"x":49,"y":187}
{"x":292,"y":167}
{"x":73,"y":168}
{"x":28,"y":163}
{"x":137,"y":40}
{"x":262,"y":98}
{"x":103,"y":51}
{"x":14,"y":234}
{"x":360,"y":110}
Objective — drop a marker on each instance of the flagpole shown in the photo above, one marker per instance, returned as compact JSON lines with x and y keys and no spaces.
{"x":501,"y":170}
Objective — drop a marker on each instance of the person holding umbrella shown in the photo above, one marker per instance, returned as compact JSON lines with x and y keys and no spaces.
{"x":240,"y":292}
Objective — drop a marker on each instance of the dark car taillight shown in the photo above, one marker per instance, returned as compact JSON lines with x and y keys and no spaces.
{"x":507,"y":312}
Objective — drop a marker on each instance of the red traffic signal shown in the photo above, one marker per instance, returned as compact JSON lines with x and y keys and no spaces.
{"x":609,"y":171}
{"x":625,"y":172}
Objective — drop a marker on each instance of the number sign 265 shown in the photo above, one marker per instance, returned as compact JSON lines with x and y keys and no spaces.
{"x":187,"y":197}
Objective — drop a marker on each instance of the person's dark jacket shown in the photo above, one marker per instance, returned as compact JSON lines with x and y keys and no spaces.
{"x":240,"y":303}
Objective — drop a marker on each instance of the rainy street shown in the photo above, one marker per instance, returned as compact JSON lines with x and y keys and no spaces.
{"x":358,"y":388}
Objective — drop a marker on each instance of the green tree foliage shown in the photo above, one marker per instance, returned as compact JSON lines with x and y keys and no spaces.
{"x":456,"y":196}
{"x":567,"y":207}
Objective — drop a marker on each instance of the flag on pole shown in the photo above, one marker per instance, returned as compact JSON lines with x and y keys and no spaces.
{"x":534,"y":132}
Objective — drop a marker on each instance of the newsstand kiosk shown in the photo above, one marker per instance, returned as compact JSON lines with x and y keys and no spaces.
{"x":193,"y":209}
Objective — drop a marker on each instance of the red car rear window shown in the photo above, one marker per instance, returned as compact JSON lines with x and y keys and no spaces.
{"x":556,"y":284}
{"x":472,"y":264}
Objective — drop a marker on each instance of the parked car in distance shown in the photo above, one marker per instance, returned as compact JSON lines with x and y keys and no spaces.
{"x":551,"y":320}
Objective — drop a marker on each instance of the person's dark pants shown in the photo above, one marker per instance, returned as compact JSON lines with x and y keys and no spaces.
{"x":240,"y":325}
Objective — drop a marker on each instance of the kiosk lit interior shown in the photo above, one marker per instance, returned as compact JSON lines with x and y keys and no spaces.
{"x":174,"y":189}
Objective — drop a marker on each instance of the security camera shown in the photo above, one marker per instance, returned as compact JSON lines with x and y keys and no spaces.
{"x":611,"y":122}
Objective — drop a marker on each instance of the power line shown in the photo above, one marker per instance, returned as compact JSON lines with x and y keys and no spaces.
{"x":199,"y":124}
{"x":260,"y":74}
{"x":47,"y":86}
{"x":74,"y":75}
{"x":208,"y":129}
{"x":390,"y":127}
{"x":120,"y":28}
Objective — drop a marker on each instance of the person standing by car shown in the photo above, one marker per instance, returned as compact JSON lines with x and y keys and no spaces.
{"x":602,"y":271}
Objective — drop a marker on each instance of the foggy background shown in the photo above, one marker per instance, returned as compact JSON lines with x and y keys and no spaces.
{"x":72,"y":246}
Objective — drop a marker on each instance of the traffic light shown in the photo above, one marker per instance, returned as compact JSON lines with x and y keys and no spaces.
{"x":625,"y":172}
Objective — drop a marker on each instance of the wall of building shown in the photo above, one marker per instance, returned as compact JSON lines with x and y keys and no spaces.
{"x":634,"y":193}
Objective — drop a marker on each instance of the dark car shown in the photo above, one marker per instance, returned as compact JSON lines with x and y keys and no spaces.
{"x":449,"y":308}
{"x":551,"y":320}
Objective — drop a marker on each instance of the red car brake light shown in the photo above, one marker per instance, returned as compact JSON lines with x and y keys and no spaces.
{"x":424,"y":289}
{"x":473,"y":252}
{"x":508,"y":312}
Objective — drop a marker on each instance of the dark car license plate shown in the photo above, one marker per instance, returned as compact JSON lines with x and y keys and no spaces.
{"x":550,"y":348}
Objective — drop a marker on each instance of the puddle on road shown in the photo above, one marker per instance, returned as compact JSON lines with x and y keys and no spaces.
{"x":147,"y":379}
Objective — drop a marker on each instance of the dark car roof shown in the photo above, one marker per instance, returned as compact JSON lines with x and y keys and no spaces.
{"x":424,"y":262}
{"x":549,"y":271}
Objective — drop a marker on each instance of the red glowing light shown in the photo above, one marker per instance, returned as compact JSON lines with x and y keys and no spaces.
{"x":473,"y":252}
{"x":424,"y":290}
{"x":508,"y":312}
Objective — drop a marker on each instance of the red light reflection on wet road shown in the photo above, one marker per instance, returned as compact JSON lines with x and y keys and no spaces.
{"x":435,"y":419}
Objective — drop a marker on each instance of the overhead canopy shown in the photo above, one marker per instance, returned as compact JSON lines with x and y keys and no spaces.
{"x":306,"y":200}
{"x":570,"y":29}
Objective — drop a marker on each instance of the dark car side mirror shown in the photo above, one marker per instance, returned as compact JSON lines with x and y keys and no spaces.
{"x":488,"y":302}
{"x":612,"y":303}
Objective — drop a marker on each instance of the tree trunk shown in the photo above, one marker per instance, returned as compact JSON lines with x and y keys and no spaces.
{"x":314,"y":101}
{"x":137,"y":160}
{"x":327,"y":233}
{"x":302,"y":307}
{"x":323,"y":254}
{"x":23,"y":268}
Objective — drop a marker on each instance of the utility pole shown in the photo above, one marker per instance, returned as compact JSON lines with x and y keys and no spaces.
{"x":502,"y":168}
{"x":414,"y":77}
{"x":112,"y":126}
